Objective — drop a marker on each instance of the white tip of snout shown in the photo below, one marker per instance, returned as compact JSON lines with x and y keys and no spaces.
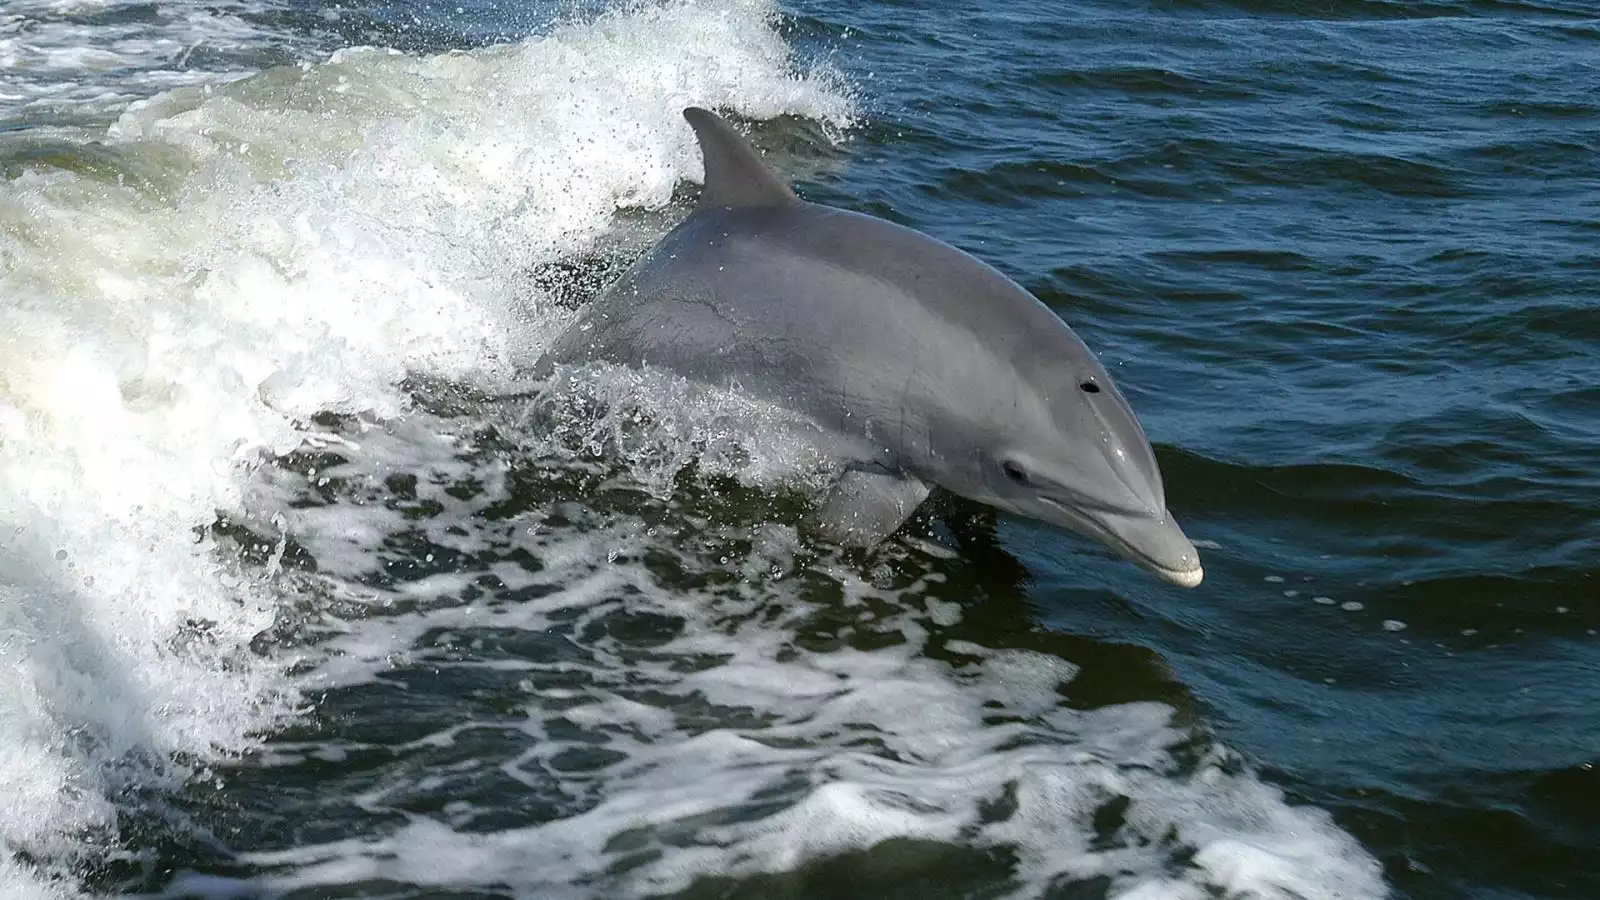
{"x":1156,"y":545}
{"x":1186,"y":578}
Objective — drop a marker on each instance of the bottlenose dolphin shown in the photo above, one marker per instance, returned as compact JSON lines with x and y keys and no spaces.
{"x":922,"y":365}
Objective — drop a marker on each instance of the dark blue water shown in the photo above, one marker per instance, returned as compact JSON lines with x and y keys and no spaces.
{"x":1340,"y":255}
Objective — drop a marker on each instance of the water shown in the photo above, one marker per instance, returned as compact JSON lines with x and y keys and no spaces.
{"x":294,"y":601}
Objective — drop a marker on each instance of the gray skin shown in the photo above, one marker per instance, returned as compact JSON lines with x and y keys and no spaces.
{"x":922,"y":365}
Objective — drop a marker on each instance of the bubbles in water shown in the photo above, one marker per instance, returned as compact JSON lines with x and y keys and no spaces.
{"x":739,"y":726}
{"x":302,"y":260}
{"x":241,"y":260}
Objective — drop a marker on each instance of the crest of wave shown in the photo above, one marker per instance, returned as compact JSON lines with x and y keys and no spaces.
{"x":240,"y":258}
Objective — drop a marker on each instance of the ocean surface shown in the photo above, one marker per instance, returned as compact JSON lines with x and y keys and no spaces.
{"x":301,"y":595}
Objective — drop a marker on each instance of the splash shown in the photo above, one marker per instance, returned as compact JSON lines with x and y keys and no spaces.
{"x":680,"y":698}
{"x":234,"y":259}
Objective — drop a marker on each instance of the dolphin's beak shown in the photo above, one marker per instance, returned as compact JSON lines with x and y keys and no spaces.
{"x":1157,"y":545}
{"x":1153,"y":543}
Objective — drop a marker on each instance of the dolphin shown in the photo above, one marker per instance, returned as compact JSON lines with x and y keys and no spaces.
{"x":921,"y":365}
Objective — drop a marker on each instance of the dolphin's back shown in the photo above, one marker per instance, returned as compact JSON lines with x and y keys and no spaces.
{"x":824,"y":310}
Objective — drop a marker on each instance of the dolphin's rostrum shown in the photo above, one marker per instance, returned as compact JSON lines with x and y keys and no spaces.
{"x":923,"y":365}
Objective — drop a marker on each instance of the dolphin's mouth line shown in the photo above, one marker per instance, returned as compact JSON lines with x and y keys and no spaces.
{"x":1189,"y":577}
{"x":1083,"y":505}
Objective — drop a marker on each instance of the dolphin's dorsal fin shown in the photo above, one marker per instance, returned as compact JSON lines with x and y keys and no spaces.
{"x":735,"y":174}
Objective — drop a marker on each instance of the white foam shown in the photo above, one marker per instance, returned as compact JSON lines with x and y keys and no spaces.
{"x":83,"y":59}
{"x":777,"y":755}
{"x":301,"y":241}
{"x":294,"y":242}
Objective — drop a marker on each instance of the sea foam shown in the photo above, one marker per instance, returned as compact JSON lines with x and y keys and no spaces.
{"x":238,"y":258}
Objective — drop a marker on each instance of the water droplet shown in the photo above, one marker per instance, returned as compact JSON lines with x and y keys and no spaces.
{"x":1393,"y":625}
{"x":1273,"y":579}
{"x":1325,"y":601}
{"x":1352,"y":606}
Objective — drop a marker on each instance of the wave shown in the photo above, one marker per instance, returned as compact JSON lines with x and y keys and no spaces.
{"x":667,"y":696}
{"x":81,"y":61}
{"x":230,"y":260}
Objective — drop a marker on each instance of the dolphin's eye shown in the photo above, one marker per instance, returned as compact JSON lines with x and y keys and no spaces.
{"x":1014,"y":472}
{"x":1089,"y":387}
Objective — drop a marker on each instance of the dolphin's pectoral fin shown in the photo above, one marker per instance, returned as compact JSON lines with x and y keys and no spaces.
{"x":868,"y":505}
